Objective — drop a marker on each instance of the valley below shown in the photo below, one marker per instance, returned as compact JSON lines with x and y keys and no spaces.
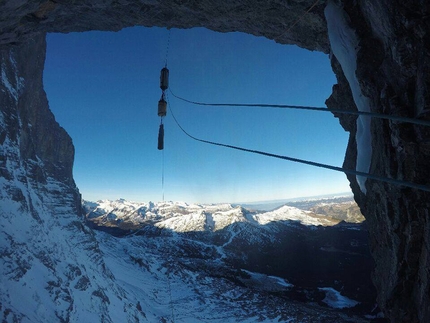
{"x":306,"y":261}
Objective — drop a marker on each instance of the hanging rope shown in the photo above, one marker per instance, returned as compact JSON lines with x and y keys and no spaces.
{"x":162,"y":175}
{"x":300,"y":107}
{"x":307,"y":162}
{"x":167,"y":47}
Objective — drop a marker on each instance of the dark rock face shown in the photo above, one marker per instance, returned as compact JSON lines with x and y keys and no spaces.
{"x":393,"y":71}
{"x":405,"y":223}
{"x":34,"y":145}
{"x":20,"y":19}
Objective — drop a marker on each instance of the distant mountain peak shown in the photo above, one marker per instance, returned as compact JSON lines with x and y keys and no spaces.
{"x":183,"y":217}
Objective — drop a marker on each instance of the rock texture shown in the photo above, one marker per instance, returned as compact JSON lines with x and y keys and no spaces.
{"x":46,"y":150}
{"x":19,"y":20}
{"x":393,"y":71}
{"x":51,"y":267}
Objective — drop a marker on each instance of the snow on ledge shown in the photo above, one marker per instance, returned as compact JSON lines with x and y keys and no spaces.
{"x":344,"y":44}
{"x":335,"y":300}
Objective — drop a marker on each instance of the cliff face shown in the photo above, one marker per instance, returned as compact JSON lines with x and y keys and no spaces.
{"x":49,"y":259}
{"x":392,"y":76}
{"x":36,"y":150}
{"x":393,"y":70}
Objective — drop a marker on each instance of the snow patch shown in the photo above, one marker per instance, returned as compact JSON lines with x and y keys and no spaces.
{"x":334,"y":299}
{"x":344,"y":44}
{"x":281,"y":281}
{"x":262,"y":281}
{"x":13,"y":89}
{"x":289,"y":213}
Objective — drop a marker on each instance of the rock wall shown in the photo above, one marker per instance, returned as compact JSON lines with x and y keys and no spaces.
{"x":393,"y":69}
{"x":35,"y":148}
{"x":20,"y":19}
{"x":393,"y":72}
{"x":51,"y":266}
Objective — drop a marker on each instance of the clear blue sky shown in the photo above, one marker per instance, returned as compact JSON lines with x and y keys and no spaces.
{"x":103,"y":88}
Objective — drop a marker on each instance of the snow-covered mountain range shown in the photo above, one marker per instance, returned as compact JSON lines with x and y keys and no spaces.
{"x":184,"y":217}
{"x":175,"y":262}
{"x":287,"y":253}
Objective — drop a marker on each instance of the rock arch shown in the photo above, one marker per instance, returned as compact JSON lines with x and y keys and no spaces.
{"x":393,"y":72}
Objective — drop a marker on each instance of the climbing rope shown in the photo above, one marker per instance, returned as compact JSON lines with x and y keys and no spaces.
{"x":167,"y":47}
{"x":296,"y":160}
{"x":162,"y":175}
{"x":300,"y":107}
{"x":307,"y":162}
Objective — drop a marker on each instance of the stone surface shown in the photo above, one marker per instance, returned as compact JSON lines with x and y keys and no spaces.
{"x":393,"y":71}
{"x":393,"y":56}
{"x":19,"y":20}
{"x":45,"y":150}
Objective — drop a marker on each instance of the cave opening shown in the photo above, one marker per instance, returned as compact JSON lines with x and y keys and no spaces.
{"x":384,"y":63}
{"x":393,"y":57}
{"x":103,"y":87}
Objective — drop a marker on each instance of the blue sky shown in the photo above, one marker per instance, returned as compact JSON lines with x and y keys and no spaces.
{"x":103,"y":88}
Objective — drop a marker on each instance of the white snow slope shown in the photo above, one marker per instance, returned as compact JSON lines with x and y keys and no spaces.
{"x":344,"y":44}
{"x":54,"y":269}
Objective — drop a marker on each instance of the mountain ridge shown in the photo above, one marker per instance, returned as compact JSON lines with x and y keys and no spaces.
{"x":228,"y":242}
{"x":126,"y":215}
